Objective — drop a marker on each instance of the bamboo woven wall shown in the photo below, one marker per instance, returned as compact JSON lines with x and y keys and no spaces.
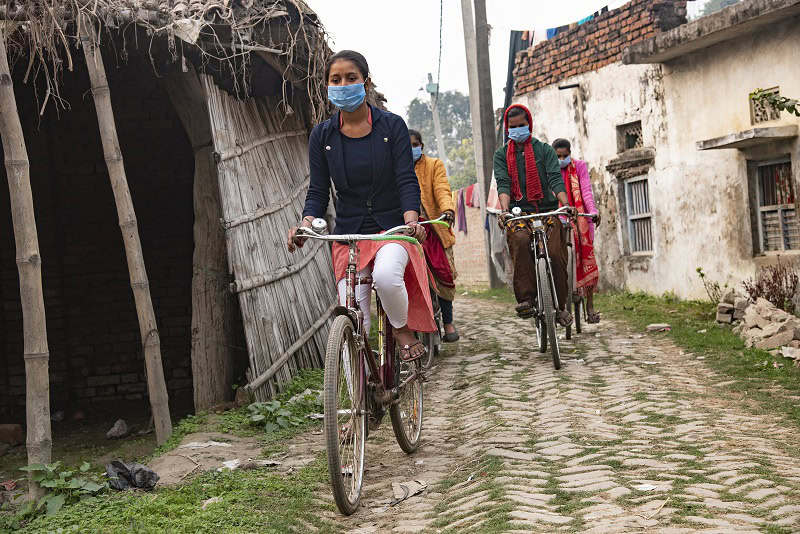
{"x":286,"y":299}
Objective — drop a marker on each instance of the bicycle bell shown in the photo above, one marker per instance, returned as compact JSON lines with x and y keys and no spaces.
{"x":516,"y":211}
{"x":319,"y":225}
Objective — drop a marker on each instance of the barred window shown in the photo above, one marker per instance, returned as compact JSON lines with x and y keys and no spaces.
{"x":778,"y":223}
{"x":637,"y":202}
{"x":629,"y":136}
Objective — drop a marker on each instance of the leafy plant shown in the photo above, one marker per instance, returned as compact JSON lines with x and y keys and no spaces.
{"x":713,"y":288}
{"x":272,"y":415}
{"x":776,"y":283}
{"x":64,"y":486}
{"x":776,"y":101}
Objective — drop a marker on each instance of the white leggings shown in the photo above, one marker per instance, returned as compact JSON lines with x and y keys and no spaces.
{"x":388,"y":271}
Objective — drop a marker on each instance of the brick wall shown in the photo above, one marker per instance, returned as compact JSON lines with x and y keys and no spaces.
{"x":93,"y":333}
{"x":470,"y":252}
{"x":596,"y":43}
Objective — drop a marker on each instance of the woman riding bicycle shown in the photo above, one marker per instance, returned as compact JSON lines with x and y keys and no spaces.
{"x":437,"y":198}
{"x":366,"y":152}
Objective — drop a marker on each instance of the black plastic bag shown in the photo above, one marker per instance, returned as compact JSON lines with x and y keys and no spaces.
{"x":128,"y":476}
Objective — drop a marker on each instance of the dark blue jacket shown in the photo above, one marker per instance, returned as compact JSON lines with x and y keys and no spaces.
{"x":395,"y":188}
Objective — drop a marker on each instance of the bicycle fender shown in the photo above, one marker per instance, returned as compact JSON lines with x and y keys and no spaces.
{"x":342,"y":310}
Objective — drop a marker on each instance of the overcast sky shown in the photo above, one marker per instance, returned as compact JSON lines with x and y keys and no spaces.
{"x":400,"y":39}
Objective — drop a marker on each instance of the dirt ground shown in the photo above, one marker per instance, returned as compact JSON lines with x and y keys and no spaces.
{"x":631,"y":435}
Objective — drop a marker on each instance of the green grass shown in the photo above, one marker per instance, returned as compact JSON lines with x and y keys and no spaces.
{"x":770,"y":387}
{"x":251,"y":501}
{"x":248,"y":497}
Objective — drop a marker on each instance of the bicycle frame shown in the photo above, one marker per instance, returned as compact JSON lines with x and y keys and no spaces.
{"x":381,"y":374}
{"x":539,"y":243}
{"x":539,"y":250}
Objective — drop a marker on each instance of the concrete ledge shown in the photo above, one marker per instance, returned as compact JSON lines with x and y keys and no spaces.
{"x":749,"y":138}
{"x":632,"y":163}
{"x":734,"y":21}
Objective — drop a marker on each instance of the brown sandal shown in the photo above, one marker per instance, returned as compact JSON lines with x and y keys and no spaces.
{"x":406,"y":351}
{"x":593,"y":318}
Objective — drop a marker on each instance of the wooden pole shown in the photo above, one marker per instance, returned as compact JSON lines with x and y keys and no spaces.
{"x":483,"y":158}
{"x":151,"y":341}
{"x":29,"y":264}
{"x":212,"y":303}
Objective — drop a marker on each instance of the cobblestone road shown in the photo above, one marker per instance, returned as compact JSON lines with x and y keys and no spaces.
{"x":631,"y":435}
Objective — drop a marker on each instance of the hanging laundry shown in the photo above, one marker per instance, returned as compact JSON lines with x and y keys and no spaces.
{"x":493,"y":202}
{"x":468,"y":195}
{"x":461,"y":224}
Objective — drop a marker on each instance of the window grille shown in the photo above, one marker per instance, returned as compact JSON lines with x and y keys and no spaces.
{"x":761,"y":111}
{"x":629,"y":136}
{"x":637,"y":200}
{"x":778,"y":223}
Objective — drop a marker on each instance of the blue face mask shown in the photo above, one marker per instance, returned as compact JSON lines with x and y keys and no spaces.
{"x":564,"y":162}
{"x":519,"y":134}
{"x":347,"y":97}
{"x":416,"y":152}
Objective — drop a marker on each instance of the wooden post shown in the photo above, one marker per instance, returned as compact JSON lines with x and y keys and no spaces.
{"x":29,"y":264}
{"x":483,"y":158}
{"x":151,"y":341}
{"x":212,"y":303}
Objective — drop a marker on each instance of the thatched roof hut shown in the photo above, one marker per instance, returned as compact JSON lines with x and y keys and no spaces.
{"x":209,"y":104}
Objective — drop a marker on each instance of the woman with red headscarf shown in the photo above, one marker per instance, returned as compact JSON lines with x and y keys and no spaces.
{"x":529,"y":177}
{"x":579,"y":190}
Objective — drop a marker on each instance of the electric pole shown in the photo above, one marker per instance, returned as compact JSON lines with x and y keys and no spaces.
{"x":476,"y":41}
{"x":433,"y":89}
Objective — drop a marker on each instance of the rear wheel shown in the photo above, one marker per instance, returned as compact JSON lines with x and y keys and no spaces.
{"x":578,"y":313}
{"x":345,"y":415}
{"x":429,"y":340}
{"x":549,"y":313}
{"x":570,"y":286}
{"x":541,"y":335}
{"x":406,"y":411}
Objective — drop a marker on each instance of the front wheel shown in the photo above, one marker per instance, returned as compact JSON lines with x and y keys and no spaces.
{"x":406,"y":411}
{"x":344,"y":401}
{"x":549,"y":313}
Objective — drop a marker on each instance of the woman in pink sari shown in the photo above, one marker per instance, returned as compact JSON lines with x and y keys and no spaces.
{"x":579,"y":190}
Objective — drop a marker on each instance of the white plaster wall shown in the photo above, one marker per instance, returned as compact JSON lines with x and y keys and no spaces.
{"x":698,"y":199}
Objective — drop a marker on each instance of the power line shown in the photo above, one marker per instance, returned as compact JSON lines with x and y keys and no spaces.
{"x":439,"y":71}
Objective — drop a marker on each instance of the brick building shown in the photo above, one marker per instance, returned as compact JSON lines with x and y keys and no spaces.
{"x":687,"y":171}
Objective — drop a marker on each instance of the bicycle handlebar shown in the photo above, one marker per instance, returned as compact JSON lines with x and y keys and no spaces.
{"x":389,"y":235}
{"x":558,"y":212}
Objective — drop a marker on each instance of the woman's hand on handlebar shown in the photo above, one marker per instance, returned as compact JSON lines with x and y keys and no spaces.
{"x":596,"y":219}
{"x":295,"y":241}
{"x":418,"y":231}
{"x":449,"y":217}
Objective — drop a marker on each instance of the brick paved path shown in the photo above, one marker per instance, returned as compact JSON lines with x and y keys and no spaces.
{"x":630,"y":436}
